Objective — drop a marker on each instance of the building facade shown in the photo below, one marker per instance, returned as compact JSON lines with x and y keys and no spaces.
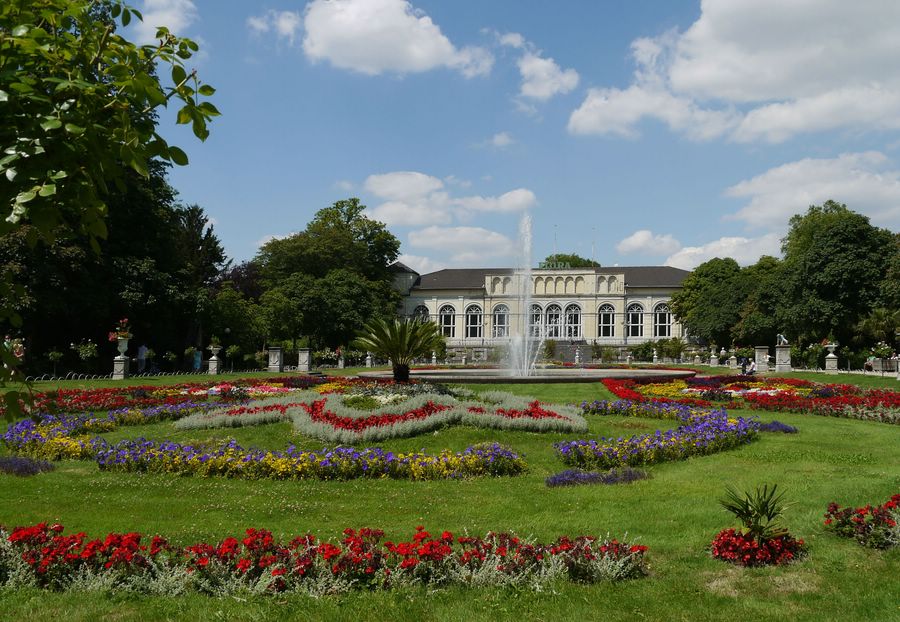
{"x":484,"y":307}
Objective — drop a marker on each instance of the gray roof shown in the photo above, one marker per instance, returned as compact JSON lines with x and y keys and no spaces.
{"x":473,"y":278}
{"x":399,"y":266}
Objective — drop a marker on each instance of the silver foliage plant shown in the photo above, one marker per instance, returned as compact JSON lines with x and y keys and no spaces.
{"x":458,"y":414}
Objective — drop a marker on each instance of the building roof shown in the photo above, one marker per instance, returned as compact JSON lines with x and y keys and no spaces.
{"x":473,"y":278}
{"x":399,"y":266}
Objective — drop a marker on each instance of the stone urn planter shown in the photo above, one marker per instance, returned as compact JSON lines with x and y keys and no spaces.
{"x":122,"y":345}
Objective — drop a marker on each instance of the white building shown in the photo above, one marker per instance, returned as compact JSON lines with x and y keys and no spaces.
{"x":483,"y":307}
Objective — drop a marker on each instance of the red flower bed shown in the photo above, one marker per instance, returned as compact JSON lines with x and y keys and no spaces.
{"x":359,"y":557}
{"x":871,"y":526}
{"x":744,"y":550}
{"x":319,"y":414}
{"x":624,"y":389}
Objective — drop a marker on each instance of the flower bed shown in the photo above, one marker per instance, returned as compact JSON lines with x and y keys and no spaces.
{"x":42,"y":556}
{"x":774,"y":394}
{"x":71,"y":401}
{"x":702,"y":435}
{"x":23,"y":466}
{"x":331,"y":420}
{"x":577,"y":477}
{"x":877,"y":527}
{"x":743,"y":549}
{"x":340,"y":463}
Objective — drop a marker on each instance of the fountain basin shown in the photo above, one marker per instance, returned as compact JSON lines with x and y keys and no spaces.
{"x":539,"y":376}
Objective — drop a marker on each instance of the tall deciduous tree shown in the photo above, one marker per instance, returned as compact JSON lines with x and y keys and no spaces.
{"x":833,"y":271}
{"x":709,"y":302}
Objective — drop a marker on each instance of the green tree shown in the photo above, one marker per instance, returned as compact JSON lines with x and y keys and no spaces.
{"x":286,"y":307}
{"x":833,"y":272}
{"x":709,"y":302}
{"x":77,"y":109}
{"x":880,"y":325}
{"x":402,"y":340}
{"x":574,"y":261}
{"x":340,"y":236}
{"x":758,"y":324}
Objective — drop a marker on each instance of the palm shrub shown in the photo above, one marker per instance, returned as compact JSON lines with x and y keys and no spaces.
{"x":401,"y":340}
{"x":762,"y":540}
{"x":758,"y":512}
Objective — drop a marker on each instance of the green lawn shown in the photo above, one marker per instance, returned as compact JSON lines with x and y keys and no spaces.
{"x":675,"y":513}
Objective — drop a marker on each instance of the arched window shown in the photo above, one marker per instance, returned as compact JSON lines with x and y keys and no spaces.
{"x":421,"y":313}
{"x":606,"y":321}
{"x":662,"y":320}
{"x":501,"y":321}
{"x":573,"y":322}
{"x":634,"y":320}
{"x":447,"y":319}
{"x":553,"y":321}
{"x":473,"y":322}
{"x":534,"y":321}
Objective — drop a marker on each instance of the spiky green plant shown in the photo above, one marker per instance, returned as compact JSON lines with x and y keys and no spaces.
{"x":758,"y":512}
{"x":401,"y":340}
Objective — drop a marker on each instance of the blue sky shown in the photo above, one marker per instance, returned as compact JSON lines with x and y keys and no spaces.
{"x":656,"y":132}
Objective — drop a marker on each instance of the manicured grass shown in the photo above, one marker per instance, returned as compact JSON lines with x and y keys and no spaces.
{"x":675,"y":513}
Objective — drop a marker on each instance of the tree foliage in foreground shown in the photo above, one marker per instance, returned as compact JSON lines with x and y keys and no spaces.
{"x":77,"y":109}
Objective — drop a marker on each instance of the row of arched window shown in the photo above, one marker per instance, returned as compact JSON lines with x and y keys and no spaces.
{"x":552,"y":322}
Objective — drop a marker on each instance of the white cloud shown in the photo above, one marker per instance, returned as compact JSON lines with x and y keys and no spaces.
{"x":176,"y":15}
{"x":501,"y":140}
{"x":416,"y":199}
{"x":542,"y":78}
{"x":863,"y":181}
{"x":646,"y":242}
{"x":761,"y":70}
{"x":453,"y":180}
{"x":384,"y":36}
{"x":517,"y":200}
{"x":465,"y":244}
{"x":284,"y":24}
{"x":422,"y":265}
{"x":268,"y":238}
{"x":745,"y":251}
{"x":345,"y":185}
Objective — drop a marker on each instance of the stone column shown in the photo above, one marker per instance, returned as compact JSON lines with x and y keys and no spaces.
{"x":276,"y":363}
{"x":120,"y":367}
{"x":303,"y":359}
{"x":762,"y":358}
{"x":121,"y":363}
{"x":782,"y":358}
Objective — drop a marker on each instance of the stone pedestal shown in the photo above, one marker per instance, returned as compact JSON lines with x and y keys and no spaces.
{"x":276,"y":362}
{"x":831,"y":362}
{"x":120,"y":367}
{"x":464,"y":360}
{"x":303,"y":360}
{"x":434,"y":358}
{"x":655,"y":357}
{"x":782,"y":358}
{"x":368,"y":359}
{"x":628,"y":360}
{"x":732,"y":362}
{"x":762,"y":358}
{"x":215,"y":365}
{"x":698,"y":360}
{"x":341,"y":363}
